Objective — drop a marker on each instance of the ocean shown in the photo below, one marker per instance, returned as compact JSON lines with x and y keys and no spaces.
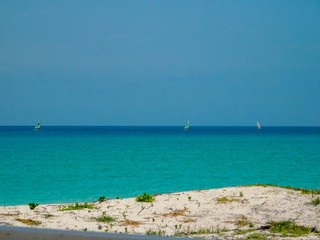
{"x":80,"y":164}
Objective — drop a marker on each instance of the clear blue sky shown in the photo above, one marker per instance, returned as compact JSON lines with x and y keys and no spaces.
{"x":160,"y":62}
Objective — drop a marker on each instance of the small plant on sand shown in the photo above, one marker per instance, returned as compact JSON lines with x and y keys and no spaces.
{"x":257,"y":236}
{"x":156,"y":233}
{"x":315,"y":201}
{"x":132,"y":223}
{"x":289,"y":228}
{"x":48,"y":215}
{"x":33,"y":205}
{"x":175,"y":213}
{"x":243,"y":221}
{"x":77,"y":206}
{"x":105,"y":219}
{"x":227,"y":199}
{"x":101,"y":199}
{"x":145,"y":198}
{"x":29,"y":222}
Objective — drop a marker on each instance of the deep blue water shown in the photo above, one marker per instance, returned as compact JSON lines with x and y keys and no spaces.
{"x":69,"y":164}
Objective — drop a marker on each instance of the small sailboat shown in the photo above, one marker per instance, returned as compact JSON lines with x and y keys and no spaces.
{"x":258,"y":125}
{"x":38,"y":126}
{"x":187,"y":126}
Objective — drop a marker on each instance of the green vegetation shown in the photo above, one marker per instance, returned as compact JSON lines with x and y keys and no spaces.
{"x":155,"y":233}
{"x":105,"y":219}
{"x":48,"y":215}
{"x":289,"y":229}
{"x":227,"y":199}
{"x":243,"y":221}
{"x":33,"y":205}
{"x":244,"y":231}
{"x":257,"y":236}
{"x":77,"y":207}
{"x":102,"y":199}
{"x":29,"y":222}
{"x":302,"y":190}
{"x":315,"y":201}
{"x":145,"y":198}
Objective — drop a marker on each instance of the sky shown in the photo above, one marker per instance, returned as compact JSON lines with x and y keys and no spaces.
{"x":160,"y":62}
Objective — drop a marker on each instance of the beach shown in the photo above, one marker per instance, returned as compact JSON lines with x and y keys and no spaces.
{"x":226,"y":213}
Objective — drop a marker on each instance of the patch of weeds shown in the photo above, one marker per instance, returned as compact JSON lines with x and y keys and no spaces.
{"x":257,"y":236}
{"x":145,"y":197}
{"x":227,"y":199}
{"x":48,"y":215}
{"x":210,"y":230}
{"x":9,"y":214}
{"x":289,"y":229}
{"x":132,"y":223}
{"x":189,"y":220}
{"x":101,"y":199}
{"x":243,"y":221}
{"x":33,"y":205}
{"x":105,"y":219}
{"x":176,"y":213}
{"x":241,"y":194}
{"x":156,"y":233}
{"x":29,"y":222}
{"x":189,"y":197}
{"x":315,"y":201}
{"x":77,"y":206}
{"x":243,"y":231}
{"x":204,"y":231}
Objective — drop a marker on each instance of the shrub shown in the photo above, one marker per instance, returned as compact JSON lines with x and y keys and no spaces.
{"x":145,"y":198}
{"x":77,"y":207}
{"x":102,"y":199}
{"x":315,"y":201}
{"x":33,"y":205}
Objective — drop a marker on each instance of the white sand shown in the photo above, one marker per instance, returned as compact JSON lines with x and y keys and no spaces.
{"x":190,"y":213}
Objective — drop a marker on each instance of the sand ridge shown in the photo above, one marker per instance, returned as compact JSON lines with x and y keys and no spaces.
{"x":227,"y":213}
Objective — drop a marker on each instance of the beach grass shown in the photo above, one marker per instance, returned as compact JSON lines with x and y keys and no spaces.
{"x":315,"y":201}
{"x":227,"y":199}
{"x":29,"y":222}
{"x":105,"y":219}
{"x":289,"y":228}
{"x":77,"y":206}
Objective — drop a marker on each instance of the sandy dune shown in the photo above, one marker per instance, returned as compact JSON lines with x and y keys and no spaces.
{"x":228,"y":213}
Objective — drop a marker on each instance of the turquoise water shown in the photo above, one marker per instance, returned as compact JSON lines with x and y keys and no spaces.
{"x":70,"y":164}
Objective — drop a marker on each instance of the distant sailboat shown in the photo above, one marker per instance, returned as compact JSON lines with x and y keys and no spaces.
{"x":258,"y":125}
{"x":187,"y":126}
{"x":38,"y":126}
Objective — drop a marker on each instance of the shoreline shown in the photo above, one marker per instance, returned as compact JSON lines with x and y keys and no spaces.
{"x":233,"y":212}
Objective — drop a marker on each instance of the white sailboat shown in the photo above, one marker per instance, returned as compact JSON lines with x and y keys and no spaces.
{"x":258,"y":125}
{"x":38,"y":126}
{"x":187,"y":126}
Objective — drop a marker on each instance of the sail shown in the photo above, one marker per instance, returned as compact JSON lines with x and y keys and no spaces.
{"x":258,"y":125}
{"x":187,"y":126}
{"x":38,"y":125}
